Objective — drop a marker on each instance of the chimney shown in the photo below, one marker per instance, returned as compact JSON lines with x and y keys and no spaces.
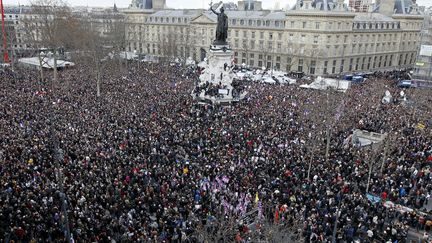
{"x":159,"y":4}
{"x":258,"y":5}
{"x":386,"y":7}
{"x":241,"y":5}
{"x":307,"y":4}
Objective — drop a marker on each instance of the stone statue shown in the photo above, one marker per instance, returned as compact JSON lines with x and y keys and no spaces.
{"x":222,"y":27}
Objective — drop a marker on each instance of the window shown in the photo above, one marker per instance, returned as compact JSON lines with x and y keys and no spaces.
{"x":312,"y":67}
{"x":258,"y":22}
{"x":303,"y":38}
{"x":260,"y":63}
{"x":236,"y":33}
{"x":244,"y":44}
{"x":253,"y":34}
{"x":292,"y":24}
{"x":341,"y":69}
{"x":279,"y":46}
{"x":260,"y":56}
{"x":279,"y":36}
{"x":291,"y":37}
{"x":304,"y":25}
{"x":271,"y":36}
{"x":316,"y":39}
{"x":334,"y":66}
{"x":325,"y":67}
{"x":252,"y":44}
{"x":317,"y":25}
{"x":300,"y":65}
{"x":262,"y":35}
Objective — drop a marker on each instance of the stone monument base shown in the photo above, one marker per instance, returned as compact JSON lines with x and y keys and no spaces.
{"x":215,"y":85}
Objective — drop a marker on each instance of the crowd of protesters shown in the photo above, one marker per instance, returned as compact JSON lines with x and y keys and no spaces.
{"x":145,"y":163}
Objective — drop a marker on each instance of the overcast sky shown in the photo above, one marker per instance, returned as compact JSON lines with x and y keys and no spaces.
{"x":176,"y":3}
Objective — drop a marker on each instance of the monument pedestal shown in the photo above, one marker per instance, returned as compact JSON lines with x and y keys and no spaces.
{"x":216,"y":80}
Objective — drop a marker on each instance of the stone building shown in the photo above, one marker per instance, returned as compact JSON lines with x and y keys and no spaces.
{"x":316,"y":36}
{"x":101,"y":20}
{"x":423,"y":65}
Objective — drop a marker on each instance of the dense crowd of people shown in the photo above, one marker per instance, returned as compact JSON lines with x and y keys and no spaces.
{"x":145,"y":163}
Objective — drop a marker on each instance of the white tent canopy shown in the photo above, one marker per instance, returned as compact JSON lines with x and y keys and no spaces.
{"x":324,"y":83}
{"x":47,"y":62}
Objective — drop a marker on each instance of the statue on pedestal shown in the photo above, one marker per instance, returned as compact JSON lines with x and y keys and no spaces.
{"x":222,"y":27}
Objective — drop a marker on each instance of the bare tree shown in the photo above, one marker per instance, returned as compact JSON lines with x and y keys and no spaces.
{"x":169,"y":46}
{"x":252,"y":227}
{"x":50,"y":26}
{"x":116,"y":40}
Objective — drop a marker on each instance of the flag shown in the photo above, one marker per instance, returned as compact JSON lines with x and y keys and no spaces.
{"x":420,"y":126}
{"x":276,"y":216}
{"x":260,"y":210}
{"x":185,"y":170}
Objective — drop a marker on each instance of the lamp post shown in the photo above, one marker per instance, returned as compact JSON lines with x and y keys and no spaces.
{"x":138,"y":59}
{"x":41,"y":57}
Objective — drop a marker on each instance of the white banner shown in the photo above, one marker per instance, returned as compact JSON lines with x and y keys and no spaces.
{"x":426,"y":50}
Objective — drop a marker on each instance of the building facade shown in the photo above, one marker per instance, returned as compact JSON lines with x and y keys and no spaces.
{"x":423,"y":65}
{"x":316,"y":37}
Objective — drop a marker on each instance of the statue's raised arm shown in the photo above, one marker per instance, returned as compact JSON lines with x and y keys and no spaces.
{"x":222,"y":27}
{"x":211,"y":8}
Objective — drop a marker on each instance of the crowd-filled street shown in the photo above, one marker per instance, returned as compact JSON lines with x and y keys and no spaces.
{"x":144,"y":162}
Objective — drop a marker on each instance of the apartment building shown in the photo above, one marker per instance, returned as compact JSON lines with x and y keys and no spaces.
{"x":316,"y":36}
